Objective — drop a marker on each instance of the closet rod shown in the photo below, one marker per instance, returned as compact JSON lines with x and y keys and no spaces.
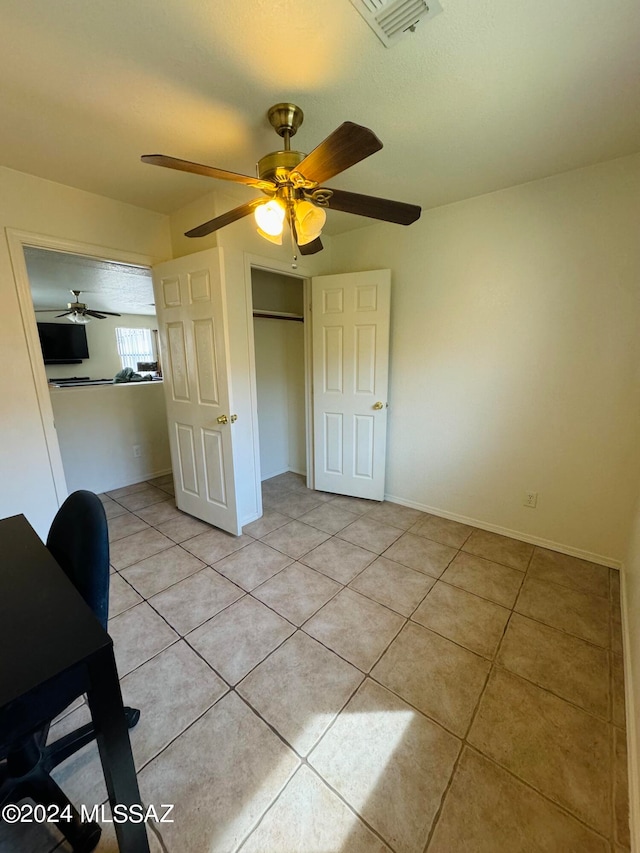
{"x":275,"y":315}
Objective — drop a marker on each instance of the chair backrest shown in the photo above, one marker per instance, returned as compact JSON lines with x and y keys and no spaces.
{"x":79,"y":541}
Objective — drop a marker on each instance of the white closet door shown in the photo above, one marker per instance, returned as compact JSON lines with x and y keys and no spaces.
{"x":350,"y":315}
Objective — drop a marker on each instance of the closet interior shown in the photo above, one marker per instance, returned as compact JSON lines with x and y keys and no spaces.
{"x":278,"y":325}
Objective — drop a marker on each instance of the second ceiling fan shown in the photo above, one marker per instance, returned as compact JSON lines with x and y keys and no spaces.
{"x":79,"y":312}
{"x":292,"y":180}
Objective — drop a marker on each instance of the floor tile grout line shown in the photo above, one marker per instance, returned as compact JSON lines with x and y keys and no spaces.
{"x":501,"y":667}
{"x":467,"y":744}
{"x":367,"y":674}
{"x":388,"y":606}
{"x":334,"y":722}
{"x":492,"y":659}
{"x":565,"y":586}
{"x":366,"y":513}
{"x":190,"y":725}
{"x":351,"y":808}
{"x":257,"y":822}
{"x":610,"y":650}
{"x":471,"y":592}
{"x":560,"y":806}
{"x":159,"y":837}
{"x":184,"y":636}
{"x":253,"y":668}
{"x":443,"y":798}
{"x":283,"y":738}
{"x":304,"y":761}
{"x":496,"y":666}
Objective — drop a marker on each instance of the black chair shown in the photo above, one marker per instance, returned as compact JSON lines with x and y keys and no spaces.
{"x":79,"y":541}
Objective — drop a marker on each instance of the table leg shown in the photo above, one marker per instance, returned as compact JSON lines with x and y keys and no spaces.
{"x":112,"y":736}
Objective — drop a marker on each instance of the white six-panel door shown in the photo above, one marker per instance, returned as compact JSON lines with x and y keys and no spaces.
{"x":192,"y":322}
{"x":350,"y":317}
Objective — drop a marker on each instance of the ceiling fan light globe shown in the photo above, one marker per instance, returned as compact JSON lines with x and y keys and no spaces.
{"x":270,"y":218}
{"x":310,"y":221}
{"x":80,"y":319}
{"x":272,"y":238}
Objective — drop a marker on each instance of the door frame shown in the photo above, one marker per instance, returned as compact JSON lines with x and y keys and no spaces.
{"x":302,"y":273}
{"x":17,"y":240}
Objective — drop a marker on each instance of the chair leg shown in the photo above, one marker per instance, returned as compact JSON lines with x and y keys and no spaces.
{"x":83,"y":837}
{"x":132,"y":716}
{"x":66,"y":746}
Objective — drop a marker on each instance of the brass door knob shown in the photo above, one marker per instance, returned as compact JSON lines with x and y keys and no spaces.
{"x":223,"y":419}
{"x":378,"y":405}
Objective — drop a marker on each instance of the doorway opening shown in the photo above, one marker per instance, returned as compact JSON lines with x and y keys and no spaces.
{"x":281,"y":372}
{"x":105,"y":437}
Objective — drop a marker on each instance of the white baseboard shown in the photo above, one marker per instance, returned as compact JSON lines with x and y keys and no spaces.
{"x":283,"y":471}
{"x":273,"y":474}
{"x":138,"y":478}
{"x":514,"y":534}
{"x":633,"y":724}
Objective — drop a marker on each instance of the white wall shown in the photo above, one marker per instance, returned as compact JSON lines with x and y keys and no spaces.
{"x":31,"y":204}
{"x":279,"y":347}
{"x":276,"y":292}
{"x":515,"y":354}
{"x":98,"y":427}
{"x":296,"y":417}
{"x":104,"y":361}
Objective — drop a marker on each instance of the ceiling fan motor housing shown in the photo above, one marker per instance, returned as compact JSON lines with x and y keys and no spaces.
{"x":277,"y":165}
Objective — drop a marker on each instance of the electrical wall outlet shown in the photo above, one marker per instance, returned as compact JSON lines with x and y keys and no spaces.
{"x":530,"y":499}
{"x":137,"y":450}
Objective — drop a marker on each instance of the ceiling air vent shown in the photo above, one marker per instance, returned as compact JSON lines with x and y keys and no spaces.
{"x":391,"y":20}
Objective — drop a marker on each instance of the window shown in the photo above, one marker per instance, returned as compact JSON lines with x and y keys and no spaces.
{"x":134,"y":345}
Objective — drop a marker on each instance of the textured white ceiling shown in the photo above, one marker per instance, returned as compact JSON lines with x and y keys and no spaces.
{"x":104,"y":285}
{"x":489,"y":94}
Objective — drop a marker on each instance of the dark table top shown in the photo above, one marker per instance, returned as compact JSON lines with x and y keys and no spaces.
{"x":45,"y":625}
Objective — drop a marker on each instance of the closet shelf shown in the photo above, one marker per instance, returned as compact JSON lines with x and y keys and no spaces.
{"x":278,"y":315}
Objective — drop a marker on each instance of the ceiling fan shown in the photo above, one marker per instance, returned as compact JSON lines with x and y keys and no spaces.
{"x":291,"y":180}
{"x":78,"y":312}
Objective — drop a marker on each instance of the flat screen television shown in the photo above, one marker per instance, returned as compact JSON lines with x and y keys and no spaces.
{"x":63,"y":343}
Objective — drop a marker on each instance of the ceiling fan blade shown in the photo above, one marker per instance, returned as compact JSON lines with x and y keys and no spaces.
{"x":312,"y":247}
{"x":209,"y":171}
{"x":104,"y":313}
{"x":347,"y":145}
{"x":89,"y":313}
{"x":375,"y":208}
{"x":66,"y":314}
{"x":224,"y":219}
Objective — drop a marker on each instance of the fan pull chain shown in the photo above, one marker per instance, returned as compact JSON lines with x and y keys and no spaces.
{"x":294,"y":247}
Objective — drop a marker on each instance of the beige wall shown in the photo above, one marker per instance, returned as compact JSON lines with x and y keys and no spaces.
{"x":98,"y":427}
{"x":515,"y":353}
{"x":42,"y":207}
{"x":279,"y":347}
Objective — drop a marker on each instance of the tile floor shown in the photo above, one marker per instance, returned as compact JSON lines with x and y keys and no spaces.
{"x":354,"y":676}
